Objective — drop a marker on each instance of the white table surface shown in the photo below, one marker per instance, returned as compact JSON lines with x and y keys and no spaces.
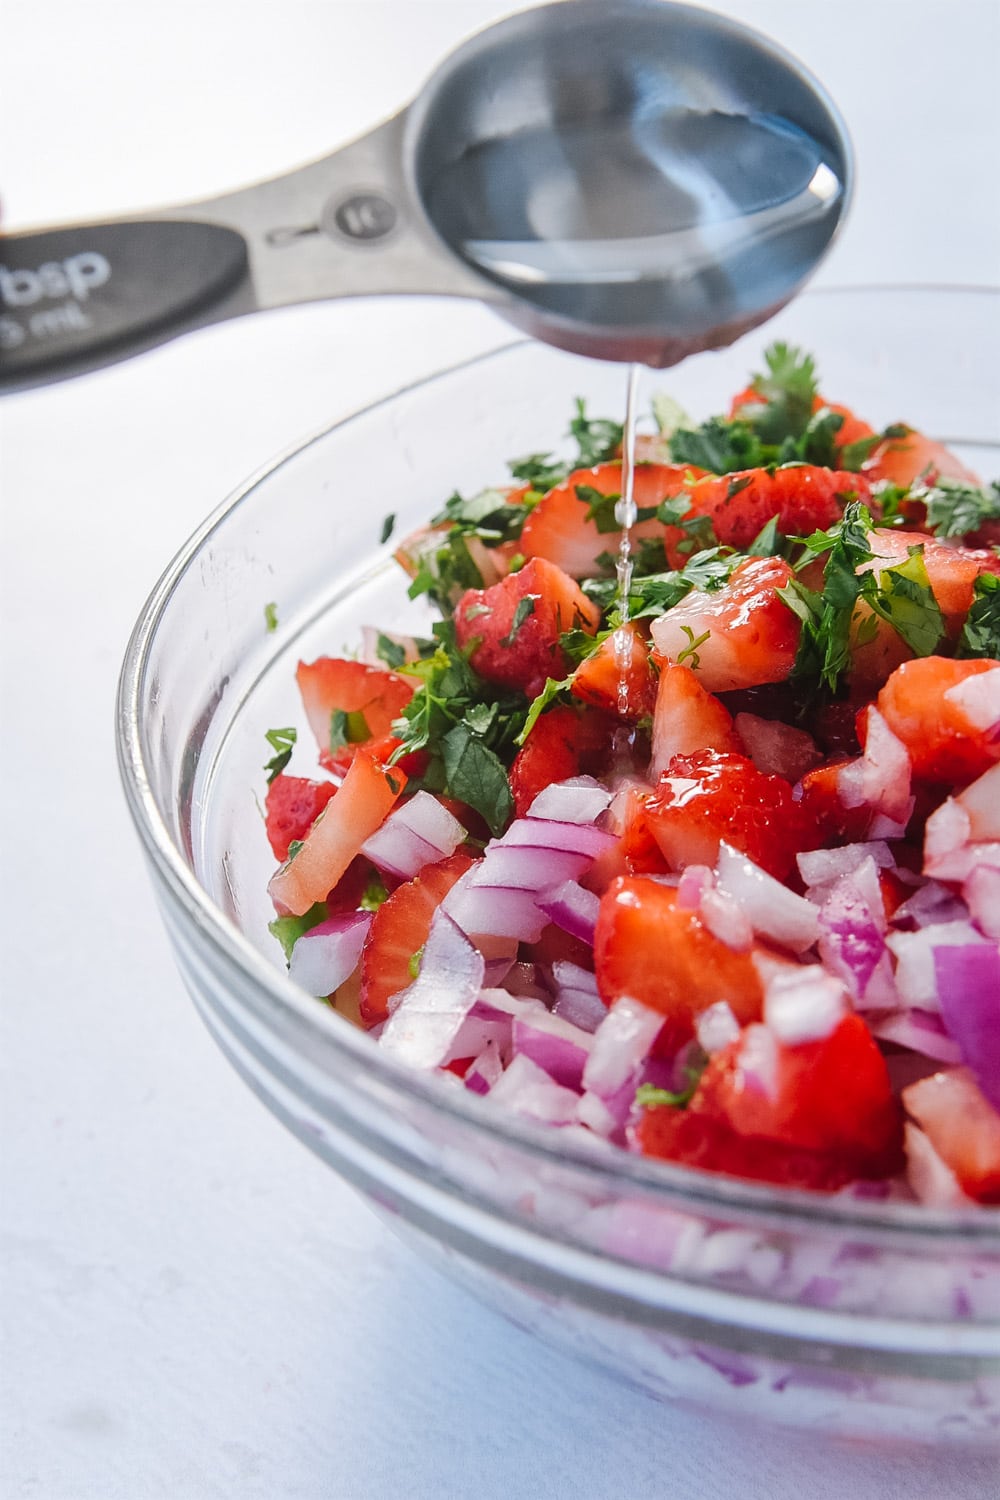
{"x":192,"y":1306}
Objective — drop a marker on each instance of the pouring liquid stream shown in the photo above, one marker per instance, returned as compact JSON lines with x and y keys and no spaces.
{"x":625,"y":515}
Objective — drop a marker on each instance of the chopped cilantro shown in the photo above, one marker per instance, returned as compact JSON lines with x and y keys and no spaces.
{"x":648,"y":1096}
{"x":540,"y":470}
{"x":981,"y":632}
{"x":271,"y":617}
{"x":525,"y":608}
{"x":375,"y":894}
{"x":475,"y":774}
{"x":597,"y":438}
{"x":288,"y":930}
{"x":281,"y":742}
{"x":293,"y":848}
{"x":668,"y":415}
{"x":719,"y":445}
{"x":416,"y":959}
{"x":690,"y":652}
{"x":388,"y":527}
{"x":347,"y":729}
{"x":390,"y":651}
{"x":550,"y":692}
{"x":955,"y":509}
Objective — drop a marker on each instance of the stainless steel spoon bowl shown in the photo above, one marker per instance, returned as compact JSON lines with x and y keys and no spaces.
{"x":628,"y":179}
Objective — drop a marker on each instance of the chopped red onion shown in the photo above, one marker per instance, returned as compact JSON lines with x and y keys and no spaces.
{"x":716,"y":1027}
{"x":594,"y":1112}
{"x":758,"y":1059}
{"x":852,"y":919}
{"x":429,"y":1014}
{"x":417,"y":832}
{"x":492,"y":1004}
{"x":881,"y":777}
{"x":527,"y":868}
{"x":725,"y":919}
{"x":930,"y":903}
{"x":915,"y":962}
{"x":584,"y":1008}
{"x":884,"y":827}
{"x":477,"y":1033}
{"x":981,"y":802}
{"x":948,"y":828}
{"x":328,"y":953}
{"x":694,"y":882}
{"x":621,"y":1044}
{"x":982,"y":896}
{"x":527,"y":1089}
{"x":804,"y":1004}
{"x":919,"y":1030}
{"x":581,"y":799}
{"x":554,"y":1044}
{"x":968,"y":985}
{"x":978,"y":698}
{"x":823,"y":866}
{"x":571,"y":908}
{"x":774,"y":910}
{"x":494,"y":910}
{"x":485,"y":1071}
{"x":960,"y":863}
{"x":571,"y":977}
{"x":547,"y":833}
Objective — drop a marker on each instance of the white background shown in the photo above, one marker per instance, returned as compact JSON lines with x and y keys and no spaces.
{"x":192,"y":1305}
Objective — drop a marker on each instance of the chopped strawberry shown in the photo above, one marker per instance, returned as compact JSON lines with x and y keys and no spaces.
{"x":349,"y":704}
{"x":619,"y":676}
{"x":292,"y":805}
{"x":398,"y":932}
{"x":559,"y":529}
{"x":922,"y":705}
{"x":687,"y":718}
{"x":741,"y":636}
{"x":711,"y":796}
{"x":360,"y":806}
{"x":818,"y":795}
{"x":663,"y":955}
{"x":803,"y":498}
{"x":962,"y":1126}
{"x":832,"y":1096}
{"x":513,"y":628}
{"x":776,"y":748}
{"x":697,"y":1140}
{"x":951,"y":570}
{"x":901,"y":460}
{"x":563,"y":742}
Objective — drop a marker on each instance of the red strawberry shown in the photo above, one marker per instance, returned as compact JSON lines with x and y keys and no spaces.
{"x":563,"y":742}
{"x":558,"y":528}
{"x":398,"y":932}
{"x":687,"y":718}
{"x":348,"y":704}
{"x":962,"y":1126}
{"x":704,"y":798}
{"x":902,"y":460}
{"x":663,"y":955}
{"x":942,"y":740}
{"x":292,"y":805}
{"x":803,"y":497}
{"x":514,"y":627}
{"x":696,"y":1140}
{"x":818,"y":796}
{"x":619,"y":676}
{"x":833,"y":1096}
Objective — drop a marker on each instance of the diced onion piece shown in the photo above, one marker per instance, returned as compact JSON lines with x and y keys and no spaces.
{"x":695,"y":880}
{"x":968,"y":986}
{"x":823,"y":866}
{"x":881,"y":777}
{"x":716,"y":1027}
{"x":774,"y":910}
{"x":494,"y":911}
{"x":584,"y":1008}
{"x":916,"y":980}
{"x":547,"y":833}
{"x":804,"y":1004}
{"x":852,"y":919}
{"x":726,"y":919}
{"x":919,"y":1031}
{"x":978,"y":698}
{"x":528,"y":1090}
{"x":572,"y":908}
{"x":982,"y":896}
{"x":948,"y":828}
{"x":981,"y":803}
{"x":327,"y":954}
{"x":570,"y":976}
{"x":430,"y":1012}
{"x":930,"y":903}
{"x":485,"y":1071}
{"x":758,"y":1059}
{"x":554,"y":1044}
{"x":621,"y":1044}
{"x":527,"y":868}
{"x":579,"y":800}
{"x":419,"y":831}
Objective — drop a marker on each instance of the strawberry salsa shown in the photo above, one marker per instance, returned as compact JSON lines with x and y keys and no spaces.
{"x":711,"y":873}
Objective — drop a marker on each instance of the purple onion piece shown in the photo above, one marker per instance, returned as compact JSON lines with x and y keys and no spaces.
{"x":968,"y":984}
{"x":328,"y":953}
{"x":430,"y":1013}
{"x":571,"y":908}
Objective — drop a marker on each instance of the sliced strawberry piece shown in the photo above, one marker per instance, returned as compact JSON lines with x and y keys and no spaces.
{"x":741,"y":636}
{"x":944,"y":743}
{"x":349,"y":704}
{"x":558,"y":528}
{"x":704,"y":798}
{"x":398,"y":932}
{"x":902,"y":460}
{"x":513,"y":628}
{"x":563,"y":742}
{"x":803,"y":498}
{"x":962,"y":1126}
{"x":951,"y":570}
{"x":687,"y":718}
{"x":833,"y":1096}
{"x":776,"y":748}
{"x":292,"y":805}
{"x":619,"y":676}
{"x":818,"y":795}
{"x":360,"y":806}
{"x":663,"y":955}
{"x":696,"y":1140}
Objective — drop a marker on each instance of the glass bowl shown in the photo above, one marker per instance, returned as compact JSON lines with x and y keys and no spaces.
{"x":842,"y":1314}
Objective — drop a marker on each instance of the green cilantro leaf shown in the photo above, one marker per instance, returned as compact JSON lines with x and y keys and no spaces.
{"x":981,"y":632}
{"x":597,"y":438}
{"x":271,"y":617}
{"x":281,"y":742}
{"x":902,"y":596}
{"x":550,"y":692}
{"x":347,"y":729}
{"x":388,"y":527}
{"x":955,"y":509}
{"x":525,"y":608}
{"x":475,"y":774}
{"x":375,"y":893}
{"x":390,"y":651}
{"x":288,"y":930}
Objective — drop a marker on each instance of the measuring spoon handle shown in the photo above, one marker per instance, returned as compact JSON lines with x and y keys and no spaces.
{"x":77,"y":298}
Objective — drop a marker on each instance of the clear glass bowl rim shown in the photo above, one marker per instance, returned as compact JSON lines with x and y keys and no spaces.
{"x":281,"y":1004}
